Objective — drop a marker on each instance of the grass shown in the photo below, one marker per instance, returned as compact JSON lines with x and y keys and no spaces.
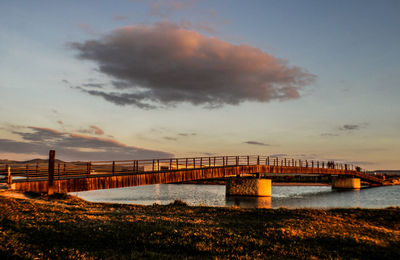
{"x":62,"y":226}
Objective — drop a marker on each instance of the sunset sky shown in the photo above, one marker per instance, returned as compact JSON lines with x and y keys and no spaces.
{"x":114,"y":80}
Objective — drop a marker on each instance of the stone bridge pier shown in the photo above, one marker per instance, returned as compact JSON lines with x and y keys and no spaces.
{"x":249,"y":187}
{"x":346,"y":183}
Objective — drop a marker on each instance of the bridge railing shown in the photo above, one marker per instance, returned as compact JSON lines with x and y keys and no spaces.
{"x":37,"y":171}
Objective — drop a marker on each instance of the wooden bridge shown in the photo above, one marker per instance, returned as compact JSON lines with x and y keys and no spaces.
{"x":57,"y":176}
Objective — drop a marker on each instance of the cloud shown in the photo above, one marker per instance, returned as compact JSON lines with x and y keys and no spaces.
{"x":120,"y":18}
{"x":165,"y":64}
{"x":170,"y":138}
{"x":94,"y":85}
{"x":87,"y":29}
{"x":329,"y":134}
{"x":352,"y":127}
{"x":187,"y":134}
{"x":256,"y":143}
{"x":278,"y":155}
{"x":198,"y":26}
{"x":70,"y":146}
{"x":92,"y":130}
{"x":165,"y":8}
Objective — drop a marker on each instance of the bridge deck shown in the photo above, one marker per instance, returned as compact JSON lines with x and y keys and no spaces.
{"x":85,"y":176}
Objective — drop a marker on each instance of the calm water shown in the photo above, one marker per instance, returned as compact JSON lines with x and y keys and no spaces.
{"x":282,"y":196}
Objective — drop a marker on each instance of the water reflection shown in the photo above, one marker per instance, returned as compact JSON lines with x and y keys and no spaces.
{"x":249,"y":202}
{"x":282,"y":196}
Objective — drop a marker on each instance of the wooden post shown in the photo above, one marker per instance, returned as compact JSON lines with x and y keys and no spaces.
{"x":9,"y":177}
{"x":50,"y":183}
{"x":214,"y":161}
{"x":285,"y":162}
{"x":27,"y":172}
{"x":58,"y":170}
{"x":113,"y":168}
{"x":248,"y":160}
{"x":158,"y":165}
{"x":209,"y":161}
{"x":37,"y":168}
{"x":194,"y":163}
{"x":177,"y":164}
{"x":170,"y":164}
{"x":186,"y":162}
{"x":153,"y":166}
{"x":258,"y":160}
{"x":87,"y":168}
{"x":201,"y":162}
{"x":268,"y":160}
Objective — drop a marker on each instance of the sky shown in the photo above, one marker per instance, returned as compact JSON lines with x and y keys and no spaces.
{"x":118,"y":80}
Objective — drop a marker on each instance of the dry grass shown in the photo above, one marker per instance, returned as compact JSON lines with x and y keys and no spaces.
{"x":67,"y":227}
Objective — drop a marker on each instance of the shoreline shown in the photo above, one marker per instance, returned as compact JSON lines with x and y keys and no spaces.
{"x":64,"y":226}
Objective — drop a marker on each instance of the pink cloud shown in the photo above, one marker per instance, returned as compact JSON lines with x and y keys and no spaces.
{"x":167,"y":64}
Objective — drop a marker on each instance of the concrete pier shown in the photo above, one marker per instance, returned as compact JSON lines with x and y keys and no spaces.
{"x":346,"y":183}
{"x":249,"y":187}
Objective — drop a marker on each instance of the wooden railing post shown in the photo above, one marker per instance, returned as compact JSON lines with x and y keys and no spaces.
{"x":27,"y":172}
{"x":177,"y":164}
{"x":50,"y":183}
{"x":9,"y":177}
{"x":186,"y":163}
{"x":201,"y":162}
{"x":194,"y":163}
{"x":248,"y":160}
{"x":170,"y":164}
{"x":113,"y":168}
{"x":258,"y":160}
{"x":158,"y":165}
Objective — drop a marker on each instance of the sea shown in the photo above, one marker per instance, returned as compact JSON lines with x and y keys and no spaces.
{"x":282,"y":196}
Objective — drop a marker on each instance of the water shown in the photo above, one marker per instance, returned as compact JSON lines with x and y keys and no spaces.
{"x":282,"y":196}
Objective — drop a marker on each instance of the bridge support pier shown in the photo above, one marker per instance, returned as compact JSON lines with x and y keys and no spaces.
{"x":249,"y":187}
{"x":346,"y":183}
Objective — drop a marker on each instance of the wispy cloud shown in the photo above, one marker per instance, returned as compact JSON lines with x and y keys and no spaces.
{"x":70,"y":146}
{"x":329,"y":134}
{"x":169,"y":138}
{"x":187,"y":134}
{"x":352,"y":127}
{"x":92,"y":130}
{"x":256,"y":143}
{"x":120,"y":18}
{"x":165,"y":8}
{"x":215,"y":72}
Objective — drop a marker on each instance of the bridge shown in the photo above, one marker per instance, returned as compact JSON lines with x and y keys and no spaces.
{"x":57,"y":176}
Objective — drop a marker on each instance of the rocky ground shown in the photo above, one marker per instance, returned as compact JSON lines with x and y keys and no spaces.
{"x":61,"y":226}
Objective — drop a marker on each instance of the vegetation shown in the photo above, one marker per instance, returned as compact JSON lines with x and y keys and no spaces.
{"x":63,"y":226}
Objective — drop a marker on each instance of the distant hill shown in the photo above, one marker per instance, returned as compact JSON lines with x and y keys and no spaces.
{"x":33,"y":161}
